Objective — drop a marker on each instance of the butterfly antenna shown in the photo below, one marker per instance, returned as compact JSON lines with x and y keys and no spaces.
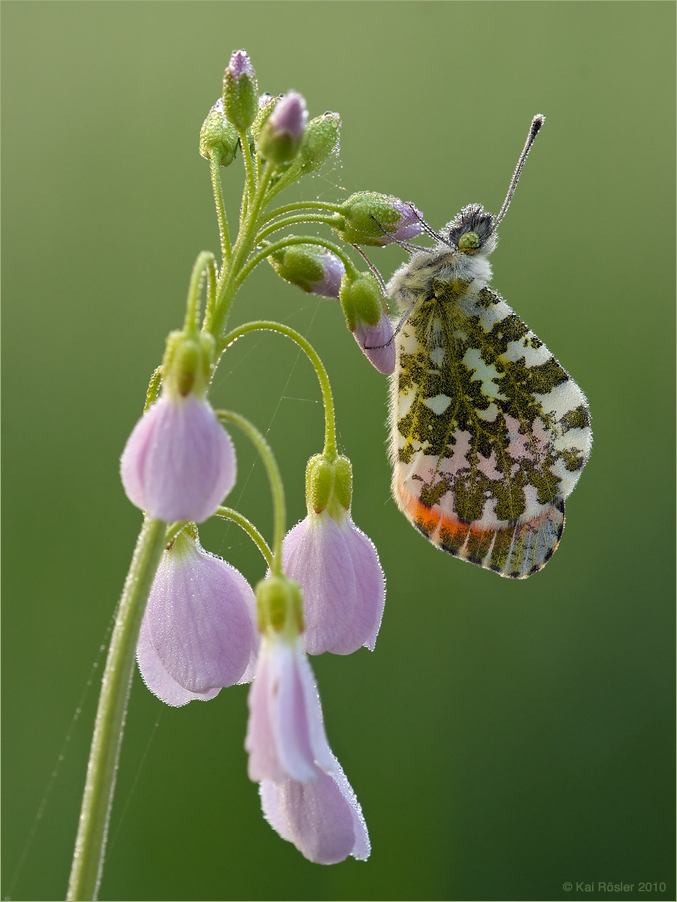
{"x":379,"y":277}
{"x":536,"y":124}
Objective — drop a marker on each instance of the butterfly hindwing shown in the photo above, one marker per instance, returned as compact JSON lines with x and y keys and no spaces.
{"x":489,"y":432}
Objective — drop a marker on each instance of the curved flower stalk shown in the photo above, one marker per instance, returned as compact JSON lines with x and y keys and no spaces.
{"x":321,"y":817}
{"x":198,"y":633}
{"x":336,"y":564}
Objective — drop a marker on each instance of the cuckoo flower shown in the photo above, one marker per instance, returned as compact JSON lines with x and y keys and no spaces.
{"x":313,"y":268}
{"x":179,"y":463}
{"x":378,"y":219}
{"x":336,"y":564}
{"x":285,"y":733}
{"x":377,"y":343}
{"x":368,"y":318}
{"x":199,"y":629}
{"x":321,"y":817}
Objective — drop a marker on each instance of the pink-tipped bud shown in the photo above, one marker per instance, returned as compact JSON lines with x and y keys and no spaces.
{"x":314,"y":269}
{"x":282,"y":132}
{"x":378,"y":219}
{"x":240,"y":91}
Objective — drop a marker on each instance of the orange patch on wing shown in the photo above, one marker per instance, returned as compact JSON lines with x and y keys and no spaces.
{"x":516,"y":550}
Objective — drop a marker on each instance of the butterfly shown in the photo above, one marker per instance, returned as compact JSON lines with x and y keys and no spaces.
{"x":489,"y":433}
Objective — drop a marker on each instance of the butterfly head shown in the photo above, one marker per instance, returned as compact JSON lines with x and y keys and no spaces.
{"x":471,"y":232}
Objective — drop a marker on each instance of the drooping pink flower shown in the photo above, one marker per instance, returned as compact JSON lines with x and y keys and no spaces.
{"x":285,"y":733}
{"x":343,"y":583}
{"x":321,"y":817}
{"x":377,"y":343}
{"x":179,"y":462}
{"x":199,"y":629}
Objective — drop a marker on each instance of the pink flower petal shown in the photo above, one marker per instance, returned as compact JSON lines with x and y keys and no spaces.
{"x":377,"y":343}
{"x":285,"y":733}
{"x":179,"y":462}
{"x":321,"y":817}
{"x":158,"y":680}
{"x":343,"y":584}
{"x":201,"y":618}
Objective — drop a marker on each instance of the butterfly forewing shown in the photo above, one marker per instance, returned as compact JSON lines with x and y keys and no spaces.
{"x":489,"y":433}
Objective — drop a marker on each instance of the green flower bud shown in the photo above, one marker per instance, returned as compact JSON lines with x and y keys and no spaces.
{"x":187,"y":363}
{"x":240,"y":91}
{"x":361,"y":299}
{"x":218,"y":137}
{"x":329,"y":484}
{"x":279,"y":605}
{"x":311,"y":267}
{"x":320,"y":141}
{"x":378,"y":219}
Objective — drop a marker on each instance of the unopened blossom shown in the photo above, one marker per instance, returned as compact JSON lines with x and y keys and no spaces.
{"x":368,"y":318}
{"x":321,"y":817}
{"x":282,"y":132}
{"x":336,"y":565}
{"x":285,"y":734}
{"x":179,"y":462}
{"x":378,"y":219}
{"x":377,"y":343}
{"x":240,"y":91}
{"x":313,"y":268}
{"x":199,"y":629}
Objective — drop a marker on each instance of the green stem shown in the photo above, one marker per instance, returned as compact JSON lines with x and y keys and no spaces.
{"x":330,"y":449}
{"x":276,"y":485}
{"x":217,"y":188}
{"x":302,"y":205}
{"x":249,"y":171}
{"x":97,"y":801}
{"x":228,"y":283}
{"x":295,"y":220}
{"x":227,"y":513}
{"x":289,"y":241}
{"x":204,"y":261}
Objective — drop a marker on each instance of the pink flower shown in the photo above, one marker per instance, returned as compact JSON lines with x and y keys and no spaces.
{"x":179,"y":462}
{"x":285,"y":733}
{"x":199,"y":630}
{"x":377,"y":343}
{"x":321,"y":817}
{"x":343,"y":584}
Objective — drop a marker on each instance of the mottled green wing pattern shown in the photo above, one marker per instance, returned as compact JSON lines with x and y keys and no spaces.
{"x":489,"y":432}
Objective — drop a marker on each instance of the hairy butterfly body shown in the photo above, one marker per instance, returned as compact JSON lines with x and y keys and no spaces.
{"x":489,"y":434}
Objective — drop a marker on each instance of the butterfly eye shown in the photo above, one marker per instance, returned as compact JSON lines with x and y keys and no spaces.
{"x":469,"y":242}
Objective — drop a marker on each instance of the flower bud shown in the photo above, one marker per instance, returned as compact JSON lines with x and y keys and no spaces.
{"x":218,"y":138}
{"x":335,"y":563}
{"x":240,"y":91}
{"x":186,"y":366}
{"x":329,"y":484}
{"x":279,"y":605}
{"x":311,"y":267}
{"x":267,"y":104}
{"x":368,"y":318}
{"x":378,"y":219}
{"x":320,"y":141}
{"x":280,"y":137}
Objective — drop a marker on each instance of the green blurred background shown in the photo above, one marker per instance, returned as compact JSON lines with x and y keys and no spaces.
{"x":505,"y":737}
